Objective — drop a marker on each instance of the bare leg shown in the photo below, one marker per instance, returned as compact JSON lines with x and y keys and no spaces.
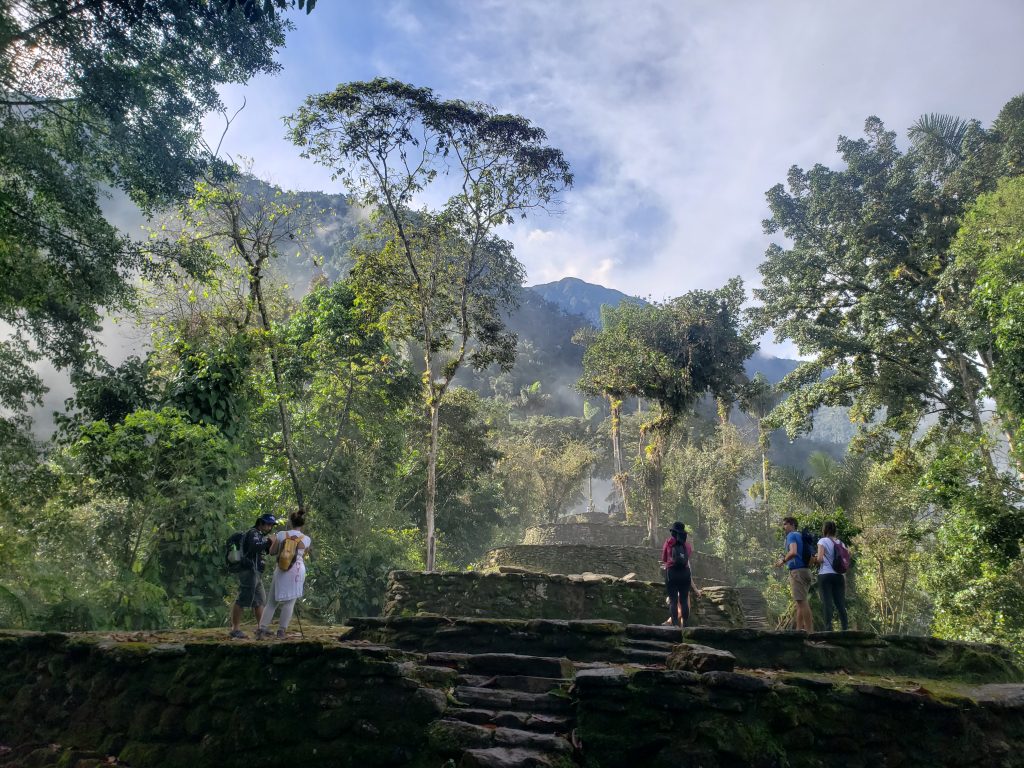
{"x":803,"y":615}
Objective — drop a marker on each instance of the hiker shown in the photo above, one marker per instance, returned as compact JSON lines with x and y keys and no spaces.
{"x":255,"y":545}
{"x":797,"y":561}
{"x":676,"y":554}
{"x":831,"y":584}
{"x":291,"y":548}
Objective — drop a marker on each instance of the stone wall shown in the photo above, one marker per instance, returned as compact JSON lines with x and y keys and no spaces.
{"x":594,"y":534}
{"x":686,"y":719}
{"x":544,"y":596}
{"x":188,"y":699}
{"x":612,"y":560}
{"x":861,"y":652}
{"x":215,"y":703}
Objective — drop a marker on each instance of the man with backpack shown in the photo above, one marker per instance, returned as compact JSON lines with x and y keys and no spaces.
{"x":797,"y":559}
{"x":255,"y":544}
{"x":676,"y":554}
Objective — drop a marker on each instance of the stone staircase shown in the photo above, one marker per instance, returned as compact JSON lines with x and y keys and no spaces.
{"x":506,"y":711}
{"x":755,"y":609}
{"x":649,"y":644}
{"x":509,"y":707}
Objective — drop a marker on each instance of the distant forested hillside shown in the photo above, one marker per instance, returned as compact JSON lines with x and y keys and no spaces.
{"x":548,"y":364}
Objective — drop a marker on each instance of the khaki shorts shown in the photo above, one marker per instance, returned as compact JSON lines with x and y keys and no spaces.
{"x":800,"y":583}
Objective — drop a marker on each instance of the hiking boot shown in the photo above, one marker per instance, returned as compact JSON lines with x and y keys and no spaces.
{"x":237,"y":634}
{"x":280,"y":634}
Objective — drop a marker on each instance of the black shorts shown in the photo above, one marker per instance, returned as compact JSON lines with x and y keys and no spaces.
{"x":250,"y":589}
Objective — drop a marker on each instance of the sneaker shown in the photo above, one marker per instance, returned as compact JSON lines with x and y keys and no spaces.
{"x":262,"y":633}
{"x":236,"y":633}
{"x":280,"y":634}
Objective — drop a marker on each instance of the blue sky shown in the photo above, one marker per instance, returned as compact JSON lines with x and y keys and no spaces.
{"x":676,"y":116}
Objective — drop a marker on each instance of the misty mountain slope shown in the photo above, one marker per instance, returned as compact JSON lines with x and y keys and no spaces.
{"x":547,"y":318}
{"x":579,"y":297}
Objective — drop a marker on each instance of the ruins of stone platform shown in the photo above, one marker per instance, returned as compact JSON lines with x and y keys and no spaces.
{"x":434,"y":691}
{"x":527,"y":595}
{"x":513,"y":670}
{"x":593,"y":544}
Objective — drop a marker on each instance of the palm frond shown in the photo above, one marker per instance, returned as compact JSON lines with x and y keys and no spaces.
{"x":944,"y":133}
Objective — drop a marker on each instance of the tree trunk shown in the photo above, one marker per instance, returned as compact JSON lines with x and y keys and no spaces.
{"x":971,"y":394}
{"x":655,"y":478}
{"x":619,"y":477}
{"x":282,"y":408}
{"x":762,"y":440}
{"x":435,"y":407}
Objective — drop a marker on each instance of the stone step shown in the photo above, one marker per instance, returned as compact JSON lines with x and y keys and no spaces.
{"x":503,"y":757}
{"x":648,"y":658}
{"x":451,"y":736}
{"x":754,"y":607}
{"x":514,"y":682}
{"x":524,"y":721}
{"x":649,"y":645}
{"x":497,"y":699}
{"x":503,"y":664}
{"x":664,"y":632}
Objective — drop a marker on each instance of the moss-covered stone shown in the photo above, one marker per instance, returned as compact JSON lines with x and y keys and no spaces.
{"x":772,"y":721}
{"x":532,"y":596}
{"x":209,"y":703}
{"x":857,"y":652}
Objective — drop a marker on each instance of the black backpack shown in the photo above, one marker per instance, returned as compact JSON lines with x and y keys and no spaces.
{"x":680,"y":559}
{"x":234,"y":552}
{"x":809,"y":545}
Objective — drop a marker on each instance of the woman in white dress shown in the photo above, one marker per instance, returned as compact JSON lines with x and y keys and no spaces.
{"x":286,"y":586}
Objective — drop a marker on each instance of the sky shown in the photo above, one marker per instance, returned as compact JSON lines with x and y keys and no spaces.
{"x":676,"y":116}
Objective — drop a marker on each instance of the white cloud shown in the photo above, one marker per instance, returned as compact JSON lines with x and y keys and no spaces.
{"x":679,"y":116}
{"x":676,"y":116}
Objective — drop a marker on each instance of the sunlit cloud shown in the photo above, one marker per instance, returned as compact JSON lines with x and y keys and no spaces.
{"x":676,"y":117}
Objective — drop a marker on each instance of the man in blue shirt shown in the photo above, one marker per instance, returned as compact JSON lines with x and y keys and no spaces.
{"x":799,"y":574}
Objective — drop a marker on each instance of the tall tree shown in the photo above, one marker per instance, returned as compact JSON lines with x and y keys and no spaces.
{"x":757,"y":399}
{"x":671,"y":354}
{"x":863,"y":289}
{"x":93,"y":93}
{"x":605,"y":375}
{"x":989,"y":266}
{"x":246,"y":225}
{"x":443,"y":278}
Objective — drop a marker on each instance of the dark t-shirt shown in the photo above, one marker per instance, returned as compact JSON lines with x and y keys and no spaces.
{"x":254,"y":546}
